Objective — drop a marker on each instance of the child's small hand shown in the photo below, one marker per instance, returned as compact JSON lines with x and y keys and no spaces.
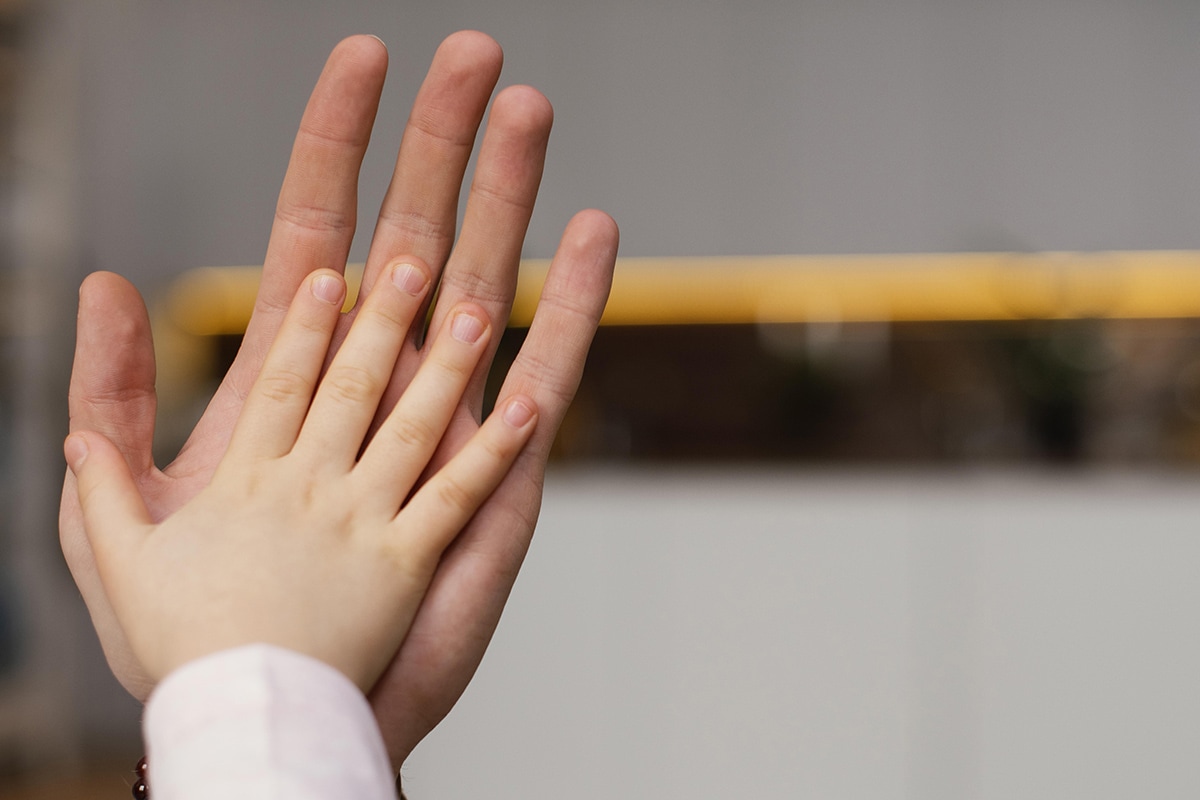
{"x":306,"y":538}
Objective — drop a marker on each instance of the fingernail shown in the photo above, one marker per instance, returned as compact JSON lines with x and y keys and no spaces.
{"x":328,"y":289}
{"x":466,"y":328}
{"x":518,"y":413}
{"x":376,"y":38}
{"x":409,"y":279}
{"x":76,"y":451}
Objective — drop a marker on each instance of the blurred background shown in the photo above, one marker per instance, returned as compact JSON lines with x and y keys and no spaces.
{"x":916,"y":516}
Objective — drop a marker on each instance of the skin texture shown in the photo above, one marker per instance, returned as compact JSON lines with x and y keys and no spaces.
{"x":298,"y":540}
{"x":112,"y":382}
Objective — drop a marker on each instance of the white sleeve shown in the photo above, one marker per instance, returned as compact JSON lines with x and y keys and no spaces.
{"x":265,"y":723}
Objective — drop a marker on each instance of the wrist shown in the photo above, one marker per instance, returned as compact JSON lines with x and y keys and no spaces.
{"x":247,"y":717}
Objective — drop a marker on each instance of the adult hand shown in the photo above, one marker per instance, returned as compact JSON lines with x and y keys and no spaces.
{"x":308,"y":537}
{"x":112,"y":383}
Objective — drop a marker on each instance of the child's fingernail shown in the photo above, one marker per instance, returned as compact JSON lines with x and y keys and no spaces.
{"x":76,"y":451}
{"x":409,"y":279}
{"x":518,"y":413}
{"x":466,"y":328}
{"x":328,"y":289}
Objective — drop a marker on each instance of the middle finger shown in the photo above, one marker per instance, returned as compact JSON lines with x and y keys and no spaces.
{"x":348,"y":396}
{"x":420,"y":209}
{"x":483,"y":267}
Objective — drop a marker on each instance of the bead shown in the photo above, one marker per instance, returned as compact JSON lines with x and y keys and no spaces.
{"x":141,"y":790}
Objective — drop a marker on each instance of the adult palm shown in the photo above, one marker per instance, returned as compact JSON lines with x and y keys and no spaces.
{"x":112,"y":382}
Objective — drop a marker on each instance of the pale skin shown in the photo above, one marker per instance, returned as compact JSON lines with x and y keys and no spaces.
{"x":298,"y":540}
{"x":112,"y":383}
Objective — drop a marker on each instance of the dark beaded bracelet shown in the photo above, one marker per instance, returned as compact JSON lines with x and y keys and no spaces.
{"x":141,"y":789}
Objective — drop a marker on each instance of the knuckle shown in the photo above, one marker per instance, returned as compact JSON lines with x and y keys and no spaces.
{"x":412,"y":565}
{"x":496,"y":449}
{"x":352,"y":385}
{"x":418,"y":226}
{"x":411,"y":433}
{"x":452,"y":493}
{"x":553,"y":379}
{"x":311,"y":217}
{"x":330,"y":136}
{"x":576,"y":309}
{"x":281,"y":386}
{"x":492,"y":287}
{"x":497,"y":190}
{"x":453,"y":370}
{"x":430,"y":125}
{"x":392,"y":320}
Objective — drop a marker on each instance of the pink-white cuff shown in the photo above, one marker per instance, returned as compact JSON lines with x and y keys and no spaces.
{"x":265,"y":723}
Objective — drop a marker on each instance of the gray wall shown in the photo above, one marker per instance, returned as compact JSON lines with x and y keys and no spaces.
{"x":705,"y":127}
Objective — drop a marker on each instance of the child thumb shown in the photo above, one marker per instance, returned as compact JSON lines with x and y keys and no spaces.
{"x":108,"y":495}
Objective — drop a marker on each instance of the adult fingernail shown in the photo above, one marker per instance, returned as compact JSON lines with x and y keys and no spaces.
{"x":518,"y":413}
{"x":466,"y":328}
{"x":409,"y":279}
{"x":328,"y":289}
{"x":76,"y":451}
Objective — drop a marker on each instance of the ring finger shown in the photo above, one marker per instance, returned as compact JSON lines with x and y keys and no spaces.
{"x":408,"y":437}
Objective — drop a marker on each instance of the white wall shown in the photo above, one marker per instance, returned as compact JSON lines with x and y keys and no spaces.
{"x":784,"y":633}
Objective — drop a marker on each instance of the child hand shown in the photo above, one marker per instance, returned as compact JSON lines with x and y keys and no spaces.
{"x":307,"y":536}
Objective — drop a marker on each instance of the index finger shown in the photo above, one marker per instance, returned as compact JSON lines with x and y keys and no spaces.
{"x":316,"y":213}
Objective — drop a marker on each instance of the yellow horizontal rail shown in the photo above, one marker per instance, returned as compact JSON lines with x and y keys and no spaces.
{"x":780,"y":289}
